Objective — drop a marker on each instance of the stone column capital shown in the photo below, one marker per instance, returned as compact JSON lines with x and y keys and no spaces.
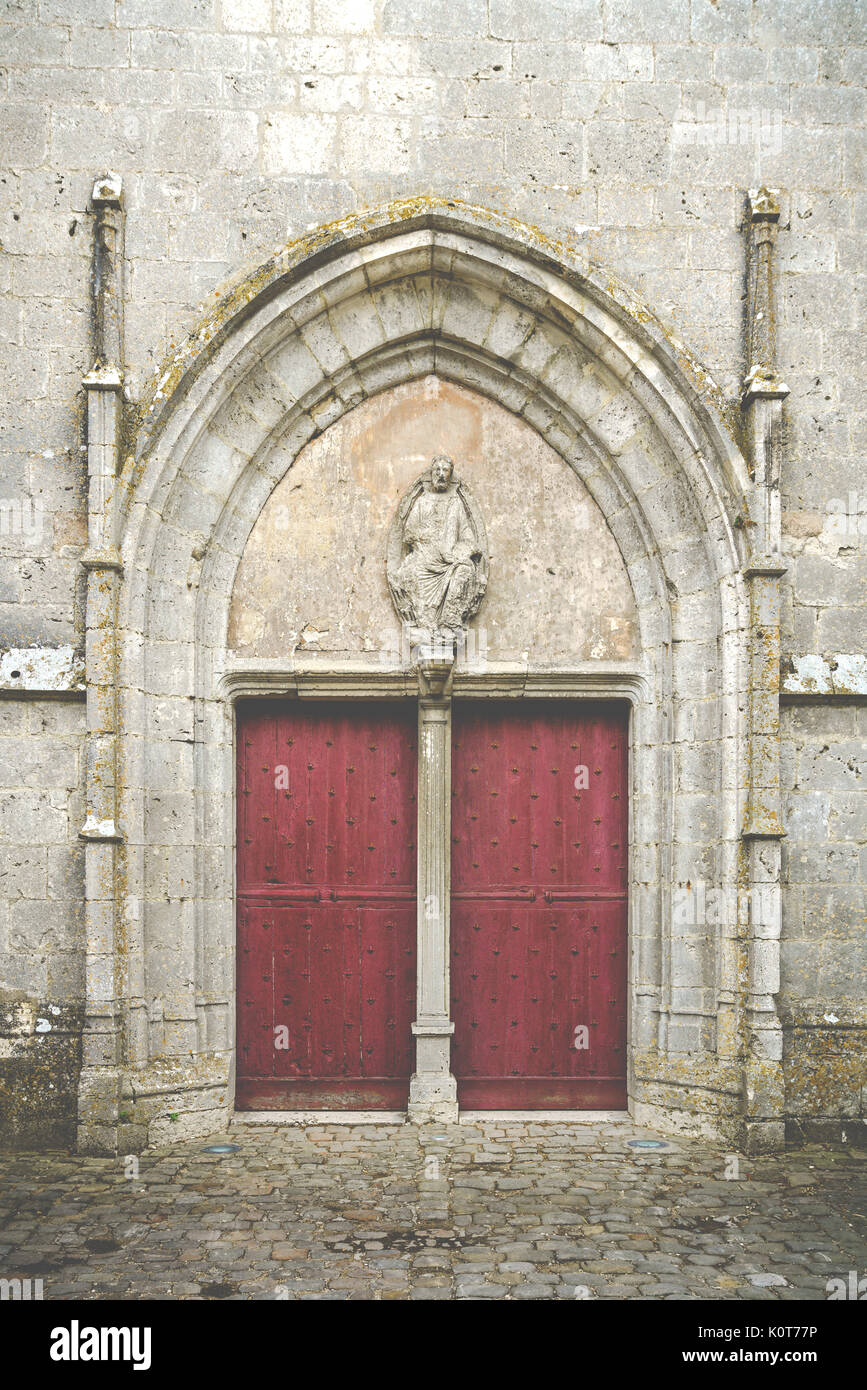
{"x":435,"y":667}
{"x":764,"y":204}
{"x":107,"y":191}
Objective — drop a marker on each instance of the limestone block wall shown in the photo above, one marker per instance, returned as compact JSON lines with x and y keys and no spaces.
{"x":629,"y":129}
{"x":41,"y":918}
{"x":823,"y":999}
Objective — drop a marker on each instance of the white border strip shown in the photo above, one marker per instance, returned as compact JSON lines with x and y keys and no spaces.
{"x":318,"y":1117}
{"x":398,"y":1117}
{"x":583,"y":1117}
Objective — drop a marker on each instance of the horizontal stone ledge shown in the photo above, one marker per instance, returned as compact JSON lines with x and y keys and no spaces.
{"x":765,"y":567}
{"x":811,"y":674}
{"x":27,"y":1018}
{"x":103,"y":379}
{"x":205,"y":1072}
{"x":758,"y":388}
{"x":700,"y":1093}
{"x":763,"y":827}
{"x":312,"y":677}
{"x":100,"y":832}
{"x":41,"y":671}
{"x":830,"y":1023}
{"x":106,"y":559}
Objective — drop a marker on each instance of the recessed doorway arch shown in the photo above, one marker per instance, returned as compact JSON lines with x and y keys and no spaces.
{"x":415,"y":292}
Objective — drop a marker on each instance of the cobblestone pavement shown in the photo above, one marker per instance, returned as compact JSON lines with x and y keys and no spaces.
{"x":497,"y":1209}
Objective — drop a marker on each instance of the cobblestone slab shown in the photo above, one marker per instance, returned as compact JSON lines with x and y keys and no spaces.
{"x":493,"y":1209}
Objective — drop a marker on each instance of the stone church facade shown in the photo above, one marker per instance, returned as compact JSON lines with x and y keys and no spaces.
{"x":262,"y":262}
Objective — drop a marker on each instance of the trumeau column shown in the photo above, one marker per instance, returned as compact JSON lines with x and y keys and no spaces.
{"x":437,"y":572}
{"x":762,"y":405}
{"x":433,"y":1092}
{"x":99,"y":1088}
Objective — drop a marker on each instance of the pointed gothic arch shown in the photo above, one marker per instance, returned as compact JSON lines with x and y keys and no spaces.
{"x":431,"y":288}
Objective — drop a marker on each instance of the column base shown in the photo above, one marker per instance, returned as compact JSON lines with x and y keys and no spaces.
{"x":433,"y":1091}
{"x":433,"y":1099}
{"x":762,"y":1136}
{"x":98,"y":1111}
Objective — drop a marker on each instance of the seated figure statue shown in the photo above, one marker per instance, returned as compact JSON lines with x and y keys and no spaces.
{"x":437,"y":578}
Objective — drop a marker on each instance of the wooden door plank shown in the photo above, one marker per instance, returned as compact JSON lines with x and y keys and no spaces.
{"x":328,"y":862}
{"x":526,"y":841}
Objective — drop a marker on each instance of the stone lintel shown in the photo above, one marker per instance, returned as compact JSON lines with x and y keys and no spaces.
{"x":312,"y":677}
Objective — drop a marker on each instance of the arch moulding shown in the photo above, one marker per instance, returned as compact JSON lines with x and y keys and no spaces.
{"x":425,"y":289}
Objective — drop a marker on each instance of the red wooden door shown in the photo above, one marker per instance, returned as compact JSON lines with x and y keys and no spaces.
{"x":539,"y":927}
{"x":326,"y":895}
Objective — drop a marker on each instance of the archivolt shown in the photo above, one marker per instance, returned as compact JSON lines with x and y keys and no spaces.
{"x":425,"y":288}
{"x":460,"y":293}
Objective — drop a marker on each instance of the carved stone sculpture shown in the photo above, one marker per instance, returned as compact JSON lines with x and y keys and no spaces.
{"x":437,"y":563}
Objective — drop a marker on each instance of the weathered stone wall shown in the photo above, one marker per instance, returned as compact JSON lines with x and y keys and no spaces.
{"x":823,"y":998}
{"x":238,"y":125}
{"x":628,"y":128}
{"x":41,"y":918}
